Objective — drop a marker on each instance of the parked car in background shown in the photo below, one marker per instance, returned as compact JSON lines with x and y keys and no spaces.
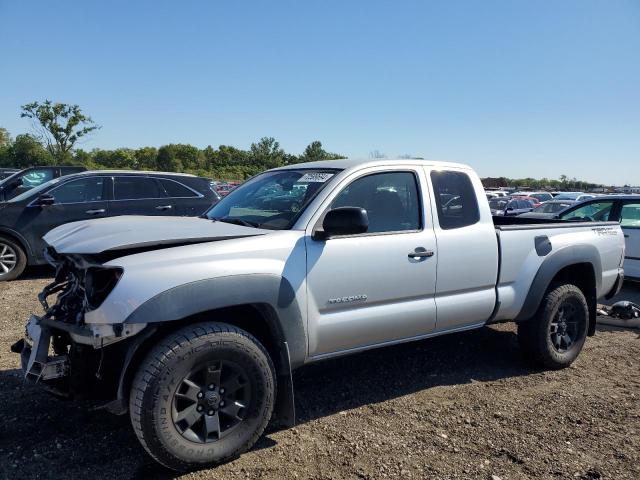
{"x":575,"y":196}
{"x":223,"y":189}
{"x":510,"y":206}
{"x":549,"y":209}
{"x":497,"y":193}
{"x":29,"y":178}
{"x":536,"y":197}
{"x":26,"y":218}
{"x":7,"y":172}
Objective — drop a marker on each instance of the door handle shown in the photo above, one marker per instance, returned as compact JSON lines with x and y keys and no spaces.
{"x":421,"y":253}
{"x":164,"y":207}
{"x":95,"y":212}
{"x":626,"y":235}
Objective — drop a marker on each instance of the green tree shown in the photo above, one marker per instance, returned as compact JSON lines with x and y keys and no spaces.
{"x":314,"y":152}
{"x":5,"y":148}
{"x":146,"y":158}
{"x":179,"y":158}
{"x":58,"y":125}
{"x":267,"y":153}
{"x":5,"y":138}
{"x":27,"y":151}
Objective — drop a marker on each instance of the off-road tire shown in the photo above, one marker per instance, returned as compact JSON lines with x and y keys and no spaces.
{"x":160,"y":375}
{"x":20,"y":259}
{"x":535,"y":335}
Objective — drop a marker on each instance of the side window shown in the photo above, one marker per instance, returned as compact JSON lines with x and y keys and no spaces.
{"x":136,"y":188}
{"x":390,"y":199}
{"x":630,"y":215}
{"x":175,"y":189}
{"x":596,"y":211}
{"x":455,"y":199}
{"x":79,"y":191}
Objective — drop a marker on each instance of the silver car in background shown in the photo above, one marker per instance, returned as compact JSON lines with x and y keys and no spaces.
{"x":549,"y":209}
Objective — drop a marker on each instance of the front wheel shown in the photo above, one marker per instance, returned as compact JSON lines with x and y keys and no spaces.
{"x":556,"y":335}
{"x":203,"y":396}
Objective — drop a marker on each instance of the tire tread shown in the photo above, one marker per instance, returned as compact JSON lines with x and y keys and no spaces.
{"x":151,"y":368}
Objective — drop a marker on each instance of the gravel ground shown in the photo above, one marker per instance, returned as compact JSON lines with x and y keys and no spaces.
{"x":459,"y":406}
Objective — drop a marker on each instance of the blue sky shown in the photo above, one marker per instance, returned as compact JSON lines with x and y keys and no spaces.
{"x":514,"y":88}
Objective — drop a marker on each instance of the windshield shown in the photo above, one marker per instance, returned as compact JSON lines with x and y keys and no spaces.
{"x":272,"y":200}
{"x":35,"y":190}
{"x":552,"y":207}
{"x":498,"y":204}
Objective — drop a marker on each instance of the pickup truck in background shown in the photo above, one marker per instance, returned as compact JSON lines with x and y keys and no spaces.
{"x":194,"y":325}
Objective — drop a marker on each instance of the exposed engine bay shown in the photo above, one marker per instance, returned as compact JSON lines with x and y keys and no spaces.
{"x":80,"y":285}
{"x":60,"y":350}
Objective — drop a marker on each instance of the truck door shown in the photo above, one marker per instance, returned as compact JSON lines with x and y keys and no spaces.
{"x":630,"y":223}
{"x":467,"y":250}
{"x":369,"y":289}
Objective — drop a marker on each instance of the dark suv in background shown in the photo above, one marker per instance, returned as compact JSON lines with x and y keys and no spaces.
{"x":23,"y":180}
{"x":7,"y":172}
{"x":27,"y":217}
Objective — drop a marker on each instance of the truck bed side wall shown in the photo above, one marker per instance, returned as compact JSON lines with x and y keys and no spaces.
{"x":531,"y":257}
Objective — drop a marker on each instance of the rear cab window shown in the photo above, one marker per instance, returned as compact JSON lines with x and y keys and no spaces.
{"x":456,"y":200}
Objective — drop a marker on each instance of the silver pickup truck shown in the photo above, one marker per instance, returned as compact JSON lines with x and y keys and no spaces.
{"x":194,"y":325}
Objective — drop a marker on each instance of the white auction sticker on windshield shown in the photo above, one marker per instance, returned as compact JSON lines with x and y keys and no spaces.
{"x":320,"y":177}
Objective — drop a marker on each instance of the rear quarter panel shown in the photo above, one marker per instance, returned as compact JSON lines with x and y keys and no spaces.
{"x":520,"y":261}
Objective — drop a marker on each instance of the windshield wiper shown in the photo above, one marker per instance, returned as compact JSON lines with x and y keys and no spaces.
{"x":236,"y":221}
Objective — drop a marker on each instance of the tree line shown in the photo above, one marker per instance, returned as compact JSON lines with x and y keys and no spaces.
{"x":224,"y":162}
{"x":57,"y":128}
{"x":563,"y":183}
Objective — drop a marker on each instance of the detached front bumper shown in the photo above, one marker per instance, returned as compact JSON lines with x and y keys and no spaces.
{"x":36,"y":362}
{"x":73,"y":361}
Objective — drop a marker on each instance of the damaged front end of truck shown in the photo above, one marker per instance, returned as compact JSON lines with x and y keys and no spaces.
{"x":61,"y":351}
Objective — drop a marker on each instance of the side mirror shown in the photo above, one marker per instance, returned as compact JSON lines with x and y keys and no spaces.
{"x":343,"y":221}
{"x":509,"y":209}
{"x":45,"y":199}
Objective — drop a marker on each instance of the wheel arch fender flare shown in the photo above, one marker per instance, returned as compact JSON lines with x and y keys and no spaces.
{"x":549,"y":270}
{"x":192,"y":298}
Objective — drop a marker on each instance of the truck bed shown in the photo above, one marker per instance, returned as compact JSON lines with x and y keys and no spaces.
{"x":525,"y":244}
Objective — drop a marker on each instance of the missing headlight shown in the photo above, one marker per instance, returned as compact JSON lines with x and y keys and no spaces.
{"x":99,"y":282}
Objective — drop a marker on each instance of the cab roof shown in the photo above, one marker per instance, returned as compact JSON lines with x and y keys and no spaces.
{"x":349,"y":163}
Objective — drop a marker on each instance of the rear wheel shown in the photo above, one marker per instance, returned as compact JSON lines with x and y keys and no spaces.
{"x":555,"y":337}
{"x":13,"y":259}
{"x":203,"y":396}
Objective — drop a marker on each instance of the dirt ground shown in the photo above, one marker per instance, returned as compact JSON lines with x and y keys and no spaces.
{"x":459,"y":406}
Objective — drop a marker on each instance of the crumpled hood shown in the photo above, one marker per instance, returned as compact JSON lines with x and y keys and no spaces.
{"x":129,"y":232}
